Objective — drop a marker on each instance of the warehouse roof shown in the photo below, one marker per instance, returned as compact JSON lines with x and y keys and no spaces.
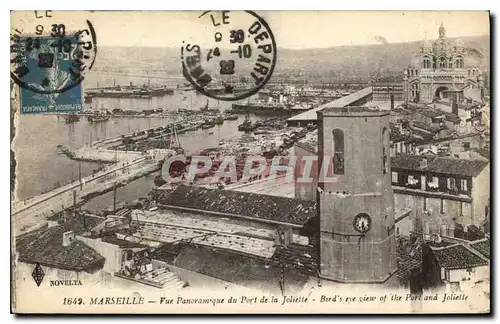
{"x":341,"y":102}
{"x":266,"y":207}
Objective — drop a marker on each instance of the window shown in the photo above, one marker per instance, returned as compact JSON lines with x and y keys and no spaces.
{"x":412,"y":180}
{"x":394,"y":177}
{"x":451,"y":184}
{"x":461,"y":209}
{"x":426,"y":63}
{"x":434,"y":184}
{"x":425,"y":203}
{"x":385,"y":144}
{"x":414,"y":90}
{"x":442,"y":63}
{"x":463,"y":184}
{"x":442,"y":208}
{"x":338,"y":151}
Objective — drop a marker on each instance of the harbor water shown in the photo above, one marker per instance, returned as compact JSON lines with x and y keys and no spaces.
{"x":40,"y":168}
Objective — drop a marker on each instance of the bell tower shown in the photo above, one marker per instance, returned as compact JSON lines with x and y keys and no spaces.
{"x":356,"y":210}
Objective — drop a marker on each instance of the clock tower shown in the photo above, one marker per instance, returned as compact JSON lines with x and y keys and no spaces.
{"x":355,"y":198}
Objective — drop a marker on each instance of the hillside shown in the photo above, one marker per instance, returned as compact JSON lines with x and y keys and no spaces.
{"x":329,"y":64}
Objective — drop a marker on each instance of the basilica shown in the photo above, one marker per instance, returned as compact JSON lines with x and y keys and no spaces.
{"x":445,"y":71}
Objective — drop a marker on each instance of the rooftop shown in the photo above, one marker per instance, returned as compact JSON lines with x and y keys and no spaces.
{"x":341,"y":102}
{"x":485,"y":152}
{"x":45,"y":247}
{"x":245,"y":270}
{"x":458,"y":257}
{"x":266,"y":207}
{"x":353,"y":111}
{"x":433,"y":113}
{"x":436,"y":164}
{"x":483,"y":247}
{"x":308,"y":146}
{"x":122,"y":243}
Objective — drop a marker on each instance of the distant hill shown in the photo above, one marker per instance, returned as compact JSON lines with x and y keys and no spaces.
{"x":353,"y":62}
{"x":360,"y":63}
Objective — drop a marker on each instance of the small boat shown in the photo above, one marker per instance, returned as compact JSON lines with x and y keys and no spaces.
{"x":208,"y":125}
{"x":231,"y":117}
{"x":219,"y":120}
{"x":246,"y":126}
{"x":71,"y":118}
{"x":98,"y":118}
{"x":210,"y":133}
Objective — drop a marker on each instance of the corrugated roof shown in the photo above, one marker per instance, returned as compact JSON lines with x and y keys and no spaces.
{"x":436,"y":164}
{"x":458,"y":257}
{"x":341,"y":102}
{"x":266,"y":207}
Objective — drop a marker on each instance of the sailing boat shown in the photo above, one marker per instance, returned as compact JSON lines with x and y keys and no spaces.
{"x":175,"y":143}
{"x":174,"y":148}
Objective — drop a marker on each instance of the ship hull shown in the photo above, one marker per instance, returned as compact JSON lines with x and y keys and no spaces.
{"x":130,"y":94}
{"x":265,"y":110}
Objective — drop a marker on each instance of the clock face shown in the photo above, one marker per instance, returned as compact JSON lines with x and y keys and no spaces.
{"x":362,"y":222}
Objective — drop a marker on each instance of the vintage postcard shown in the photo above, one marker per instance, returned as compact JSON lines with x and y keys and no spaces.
{"x":250,"y":162}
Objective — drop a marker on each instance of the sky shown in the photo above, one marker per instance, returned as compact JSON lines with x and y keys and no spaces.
{"x":292,"y":29}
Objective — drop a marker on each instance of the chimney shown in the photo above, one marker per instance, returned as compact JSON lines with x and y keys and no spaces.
{"x":68,"y":238}
{"x":283,"y":236}
{"x":392,"y":102}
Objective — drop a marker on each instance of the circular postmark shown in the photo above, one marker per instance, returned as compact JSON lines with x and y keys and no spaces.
{"x":52,"y":60}
{"x":232,"y":56}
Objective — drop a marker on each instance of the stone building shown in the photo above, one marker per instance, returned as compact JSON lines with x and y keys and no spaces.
{"x":356,"y":212}
{"x":446,"y":71}
{"x":447,"y":191}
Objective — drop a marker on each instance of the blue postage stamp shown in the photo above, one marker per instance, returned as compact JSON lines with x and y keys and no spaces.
{"x":50,"y":80}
